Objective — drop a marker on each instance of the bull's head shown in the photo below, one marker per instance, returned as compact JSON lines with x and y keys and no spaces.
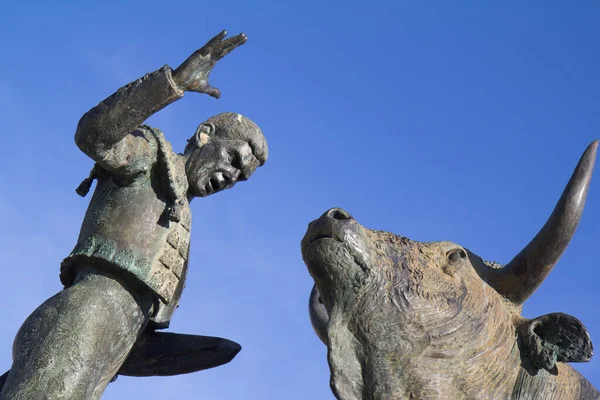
{"x":404,"y":319}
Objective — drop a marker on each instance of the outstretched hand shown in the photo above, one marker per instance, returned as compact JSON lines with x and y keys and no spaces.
{"x":192,"y":75}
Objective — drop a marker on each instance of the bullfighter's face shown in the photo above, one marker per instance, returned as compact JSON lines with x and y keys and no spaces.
{"x":222,"y":153}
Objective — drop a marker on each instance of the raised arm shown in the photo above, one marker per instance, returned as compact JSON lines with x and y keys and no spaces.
{"x":121,"y":113}
{"x":105,"y":133}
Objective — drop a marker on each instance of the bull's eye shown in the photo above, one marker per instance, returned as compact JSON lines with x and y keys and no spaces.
{"x":456,"y":255}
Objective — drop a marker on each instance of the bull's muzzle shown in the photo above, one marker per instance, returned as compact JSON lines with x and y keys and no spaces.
{"x":332,"y":224}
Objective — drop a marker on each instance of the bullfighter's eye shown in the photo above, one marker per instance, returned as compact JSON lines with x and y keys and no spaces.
{"x":456,"y":255}
{"x":234,"y":159}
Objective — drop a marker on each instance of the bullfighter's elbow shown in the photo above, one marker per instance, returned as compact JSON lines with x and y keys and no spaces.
{"x":86,"y":131}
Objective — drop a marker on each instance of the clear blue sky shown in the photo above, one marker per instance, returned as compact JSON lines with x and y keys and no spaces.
{"x":435,"y":120}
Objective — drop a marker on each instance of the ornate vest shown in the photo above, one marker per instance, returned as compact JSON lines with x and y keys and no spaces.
{"x":140,"y":230}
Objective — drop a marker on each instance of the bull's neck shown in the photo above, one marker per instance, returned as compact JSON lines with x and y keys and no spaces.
{"x":488,"y":375}
{"x":492,"y":373}
{"x":476,"y":360}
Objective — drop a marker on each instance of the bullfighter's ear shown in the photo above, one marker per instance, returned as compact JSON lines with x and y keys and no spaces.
{"x":555,"y":337}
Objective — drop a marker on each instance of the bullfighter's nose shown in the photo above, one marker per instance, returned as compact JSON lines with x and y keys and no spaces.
{"x":336,"y":213}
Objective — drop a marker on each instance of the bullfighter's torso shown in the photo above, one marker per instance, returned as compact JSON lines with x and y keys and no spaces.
{"x":130,"y":229}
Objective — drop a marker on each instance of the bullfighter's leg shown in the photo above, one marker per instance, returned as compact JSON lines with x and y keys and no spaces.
{"x":74,"y":343}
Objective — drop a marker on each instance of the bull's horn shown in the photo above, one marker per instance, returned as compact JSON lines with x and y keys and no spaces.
{"x":318,"y":315}
{"x":522,"y":276}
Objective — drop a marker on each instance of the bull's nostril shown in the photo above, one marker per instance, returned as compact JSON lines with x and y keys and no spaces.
{"x":338,"y":213}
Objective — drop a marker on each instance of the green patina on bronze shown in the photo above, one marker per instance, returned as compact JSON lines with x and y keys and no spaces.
{"x":155,"y":254}
{"x":404,"y":319}
{"x":125,"y":276}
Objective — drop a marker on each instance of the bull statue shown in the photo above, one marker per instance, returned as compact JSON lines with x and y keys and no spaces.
{"x":410,"y":320}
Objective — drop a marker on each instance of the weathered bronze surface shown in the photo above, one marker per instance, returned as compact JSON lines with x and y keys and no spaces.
{"x":410,"y":320}
{"x":124,"y":278}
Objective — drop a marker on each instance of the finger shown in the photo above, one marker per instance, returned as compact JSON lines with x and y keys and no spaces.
{"x":211,"y":43}
{"x":217,"y":38}
{"x":232,"y":43}
{"x":213,"y":92}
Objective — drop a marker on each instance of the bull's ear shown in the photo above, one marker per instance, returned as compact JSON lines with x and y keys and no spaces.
{"x":555,"y":337}
{"x":318,"y":314}
{"x":3,"y":379}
